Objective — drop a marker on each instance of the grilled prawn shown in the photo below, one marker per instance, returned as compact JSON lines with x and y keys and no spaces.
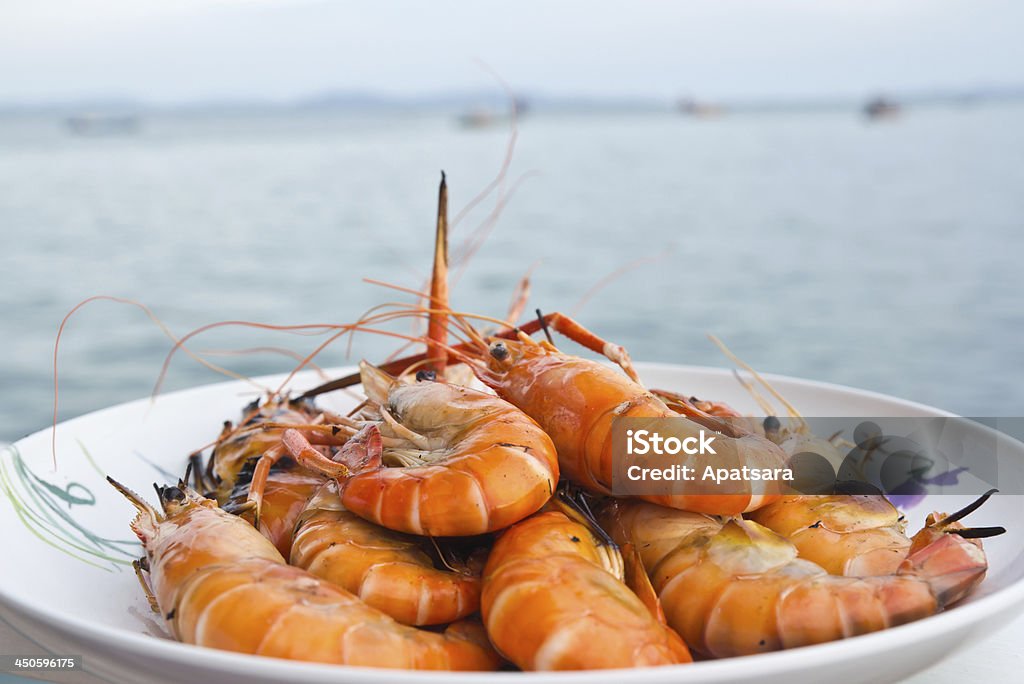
{"x":576,"y":401}
{"x":434,"y":458}
{"x":846,"y":534}
{"x":732,"y":587}
{"x":551,"y":602}
{"x":219,"y":583}
{"x":388,"y":570}
{"x":240,"y":445}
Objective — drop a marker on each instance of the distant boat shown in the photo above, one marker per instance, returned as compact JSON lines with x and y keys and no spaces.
{"x":881,"y":108}
{"x":700,"y":110}
{"x":485,"y":117}
{"x":97,"y":124}
{"x":478,"y":118}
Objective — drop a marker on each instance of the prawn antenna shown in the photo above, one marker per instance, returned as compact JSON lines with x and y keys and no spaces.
{"x":966,"y":510}
{"x":980,"y":532}
{"x":544,"y":326}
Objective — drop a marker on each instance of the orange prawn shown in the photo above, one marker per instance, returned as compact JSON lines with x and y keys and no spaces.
{"x":302,"y":515}
{"x":388,"y":570}
{"x":846,"y":534}
{"x":732,"y":587}
{"x":577,"y":400}
{"x":551,"y":602}
{"x":221,"y":584}
{"x":257,"y":432}
{"x":433,"y":458}
{"x":285,"y":499}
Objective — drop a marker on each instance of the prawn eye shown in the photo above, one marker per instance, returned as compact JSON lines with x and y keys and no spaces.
{"x":172,"y":494}
{"x":771,"y":424}
{"x":499,"y":351}
{"x":428,"y":375}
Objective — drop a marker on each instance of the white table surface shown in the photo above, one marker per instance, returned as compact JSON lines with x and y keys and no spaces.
{"x":1000,"y":658}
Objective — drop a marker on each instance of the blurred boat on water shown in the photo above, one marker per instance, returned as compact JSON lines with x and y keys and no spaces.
{"x":486,"y":117}
{"x":99,"y":124}
{"x":479,"y":118}
{"x":880,"y":108}
{"x":700,"y":110}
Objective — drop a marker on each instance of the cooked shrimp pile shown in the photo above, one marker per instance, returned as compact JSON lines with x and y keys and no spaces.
{"x":442,"y":526}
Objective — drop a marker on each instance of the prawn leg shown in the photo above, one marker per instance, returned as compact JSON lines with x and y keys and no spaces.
{"x":294,"y":444}
{"x":139,"y":566}
{"x":712,"y":408}
{"x":257,"y":432}
{"x":301,"y":449}
{"x":200,"y":475}
{"x":582,"y":336}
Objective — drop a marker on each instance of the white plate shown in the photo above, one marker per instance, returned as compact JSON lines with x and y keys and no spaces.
{"x":85,"y":605}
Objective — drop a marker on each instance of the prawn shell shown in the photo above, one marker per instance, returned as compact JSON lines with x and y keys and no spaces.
{"x":854,"y":535}
{"x":732,"y":587}
{"x":285,"y":497}
{"x":198,"y":537}
{"x":220,"y":583}
{"x":577,"y":402}
{"x":549,"y":605}
{"x":496,"y":467}
{"x":289,"y":614}
{"x":243,"y":443}
{"x":386,"y":569}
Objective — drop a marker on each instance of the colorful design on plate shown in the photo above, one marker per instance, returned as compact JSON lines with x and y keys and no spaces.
{"x":48,"y":510}
{"x":913,"y":492}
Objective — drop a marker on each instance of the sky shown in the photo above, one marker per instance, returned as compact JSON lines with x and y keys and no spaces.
{"x":195,"y":50}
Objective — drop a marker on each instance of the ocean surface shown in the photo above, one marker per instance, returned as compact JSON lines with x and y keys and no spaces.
{"x":886,"y":255}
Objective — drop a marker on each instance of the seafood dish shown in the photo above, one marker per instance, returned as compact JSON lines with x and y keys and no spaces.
{"x":465,"y":516}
